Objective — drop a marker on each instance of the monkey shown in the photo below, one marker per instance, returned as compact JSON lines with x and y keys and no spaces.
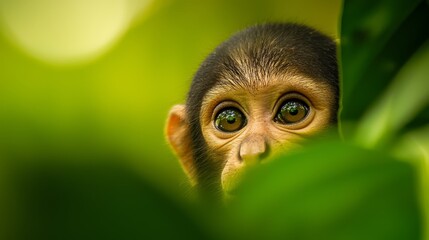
{"x":263,"y":90}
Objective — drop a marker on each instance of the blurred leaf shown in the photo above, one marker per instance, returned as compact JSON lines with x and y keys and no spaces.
{"x":58,"y":200}
{"x":330,"y":191}
{"x":419,"y":121}
{"x":414,"y":147}
{"x":377,"y":38}
{"x":403,"y":100}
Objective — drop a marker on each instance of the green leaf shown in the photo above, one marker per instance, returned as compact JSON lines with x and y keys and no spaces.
{"x":104,"y":200}
{"x":330,"y":191}
{"x":377,"y":38}
{"x":414,"y":147}
{"x":403,"y":100}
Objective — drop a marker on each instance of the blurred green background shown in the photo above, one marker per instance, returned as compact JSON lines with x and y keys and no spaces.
{"x":95,"y":78}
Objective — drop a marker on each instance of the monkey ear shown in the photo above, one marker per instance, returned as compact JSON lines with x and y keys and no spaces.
{"x":179,"y":138}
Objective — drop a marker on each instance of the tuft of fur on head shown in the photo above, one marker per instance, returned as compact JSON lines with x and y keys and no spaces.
{"x":252,"y":57}
{"x":248,"y":60}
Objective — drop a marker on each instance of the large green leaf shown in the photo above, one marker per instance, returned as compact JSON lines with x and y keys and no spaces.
{"x":330,"y":191}
{"x":377,"y":38}
{"x":59,"y":200}
{"x":402,"y":102}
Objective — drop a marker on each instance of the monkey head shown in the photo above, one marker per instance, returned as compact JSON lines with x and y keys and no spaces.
{"x":261,"y":91}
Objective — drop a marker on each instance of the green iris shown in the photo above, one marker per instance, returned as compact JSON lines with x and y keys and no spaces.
{"x":230,"y":120}
{"x":292,"y":111}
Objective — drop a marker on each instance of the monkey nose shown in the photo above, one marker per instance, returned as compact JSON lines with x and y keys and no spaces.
{"x":253,"y":149}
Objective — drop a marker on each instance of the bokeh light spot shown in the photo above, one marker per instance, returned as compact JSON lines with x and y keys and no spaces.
{"x":66,"y":31}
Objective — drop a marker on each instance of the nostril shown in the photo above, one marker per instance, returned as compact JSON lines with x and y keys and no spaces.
{"x":264,"y":154}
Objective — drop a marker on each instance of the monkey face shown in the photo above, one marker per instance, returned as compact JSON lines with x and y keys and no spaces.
{"x":243,"y":126}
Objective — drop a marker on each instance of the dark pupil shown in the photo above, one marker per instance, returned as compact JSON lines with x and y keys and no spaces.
{"x":292,"y":111}
{"x":229,"y":120}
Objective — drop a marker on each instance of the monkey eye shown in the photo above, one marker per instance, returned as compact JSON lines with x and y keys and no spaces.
{"x":230,"y":120}
{"x":292,"y":111}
